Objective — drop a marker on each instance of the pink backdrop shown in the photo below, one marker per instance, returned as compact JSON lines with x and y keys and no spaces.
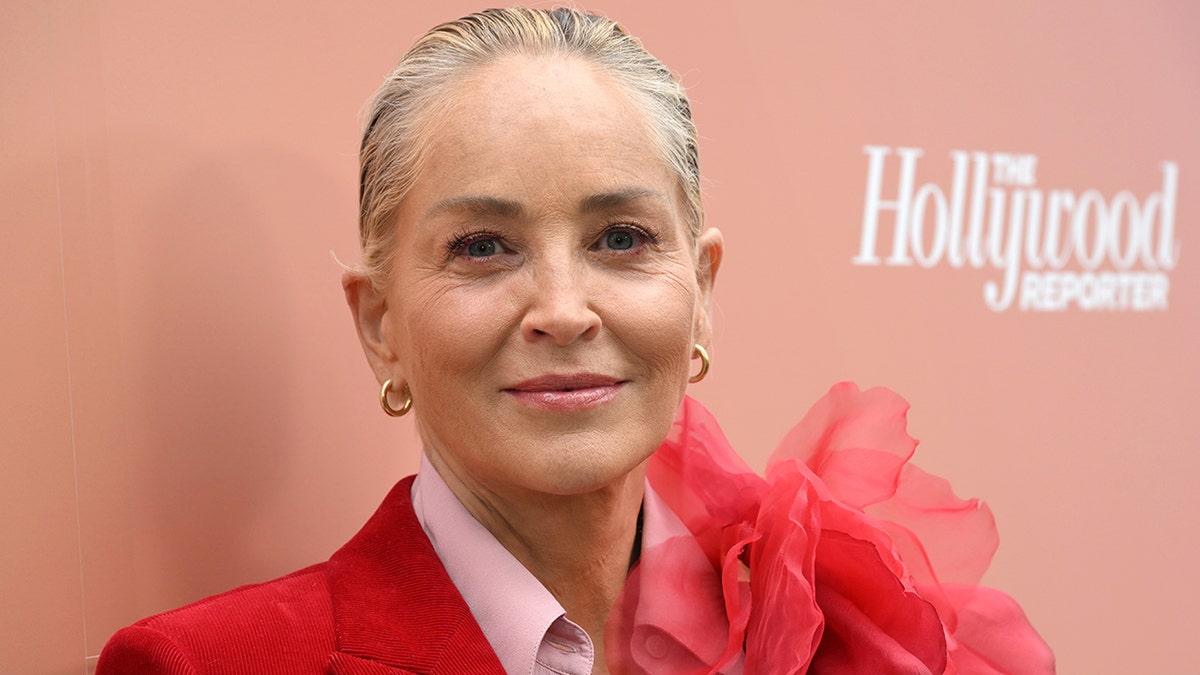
{"x":185,"y":407}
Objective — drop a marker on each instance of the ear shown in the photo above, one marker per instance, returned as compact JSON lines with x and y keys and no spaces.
{"x":711,"y":249}
{"x":369,"y":307}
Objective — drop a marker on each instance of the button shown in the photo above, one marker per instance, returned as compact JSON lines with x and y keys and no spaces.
{"x":657,"y":646}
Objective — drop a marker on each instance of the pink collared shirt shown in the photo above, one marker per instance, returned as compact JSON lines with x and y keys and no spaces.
{"x":525,"y":625}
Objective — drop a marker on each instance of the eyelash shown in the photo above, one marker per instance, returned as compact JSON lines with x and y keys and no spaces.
{"x":458,"y":244}
{"x":648,"y":237}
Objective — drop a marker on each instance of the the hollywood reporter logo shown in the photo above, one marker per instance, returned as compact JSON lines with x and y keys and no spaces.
{"x":1056,"y":249}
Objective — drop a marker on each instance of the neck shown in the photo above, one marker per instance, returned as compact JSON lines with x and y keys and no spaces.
{"x":578,"y":546}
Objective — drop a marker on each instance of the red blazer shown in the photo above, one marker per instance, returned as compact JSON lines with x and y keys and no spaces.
{"x":382,"y":605}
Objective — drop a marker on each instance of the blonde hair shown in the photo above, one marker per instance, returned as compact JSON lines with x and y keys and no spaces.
{"x":422,"y":85}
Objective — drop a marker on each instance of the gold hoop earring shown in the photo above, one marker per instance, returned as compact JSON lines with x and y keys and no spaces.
{"x":383,"y":400}
{"x":697,"y":350}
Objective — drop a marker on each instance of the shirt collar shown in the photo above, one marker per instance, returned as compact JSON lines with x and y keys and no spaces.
{"x":510,"y":605}
{"x":515,"y":611}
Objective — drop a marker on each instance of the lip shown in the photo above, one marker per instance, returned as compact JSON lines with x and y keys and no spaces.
{"x":566,"y":392}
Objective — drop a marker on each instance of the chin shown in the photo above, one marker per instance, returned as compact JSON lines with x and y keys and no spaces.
{"x":583,"y":470}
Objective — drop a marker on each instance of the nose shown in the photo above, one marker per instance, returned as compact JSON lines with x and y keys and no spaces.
{"x":561,"y":305}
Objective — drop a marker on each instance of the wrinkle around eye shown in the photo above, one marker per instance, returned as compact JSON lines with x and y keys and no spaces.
{"x":481,"y":269}
{"x":457,"y":275}
{"x":466,"y":245}
{"x":641,"y":239}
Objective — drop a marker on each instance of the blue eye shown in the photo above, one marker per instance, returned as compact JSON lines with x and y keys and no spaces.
{"x":479,"y":246}
{"x":625,"y":239}
{"x":482,"y":248}
{"x":620,"y":240}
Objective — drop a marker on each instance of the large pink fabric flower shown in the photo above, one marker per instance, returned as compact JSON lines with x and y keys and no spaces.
{"x":845,"y":559}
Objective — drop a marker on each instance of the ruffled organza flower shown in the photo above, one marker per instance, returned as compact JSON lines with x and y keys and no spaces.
{"x":844,"y":559}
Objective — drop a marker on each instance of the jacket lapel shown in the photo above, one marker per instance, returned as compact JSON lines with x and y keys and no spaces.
{"x":395,"y":609}
{"x":344,"y":664}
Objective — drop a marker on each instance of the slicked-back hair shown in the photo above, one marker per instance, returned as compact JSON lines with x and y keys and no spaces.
{"x":423,"y":84}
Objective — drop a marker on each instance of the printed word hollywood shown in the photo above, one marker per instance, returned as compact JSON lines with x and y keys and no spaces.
{"x":1056,"y":249}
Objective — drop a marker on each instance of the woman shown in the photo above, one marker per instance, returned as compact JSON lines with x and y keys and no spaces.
{"x":535,"y":288}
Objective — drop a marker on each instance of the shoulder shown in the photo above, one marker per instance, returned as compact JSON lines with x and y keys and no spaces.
{"x":280,"y":626}
{"x":383,"y":597}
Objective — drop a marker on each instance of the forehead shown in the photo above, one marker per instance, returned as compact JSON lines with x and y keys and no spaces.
{"x":535,"y":118}
{"x":528,"y":93}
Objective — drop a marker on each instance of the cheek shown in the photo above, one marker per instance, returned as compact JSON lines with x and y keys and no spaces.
{"x":656,"y":321}
{"x":444,"y":330}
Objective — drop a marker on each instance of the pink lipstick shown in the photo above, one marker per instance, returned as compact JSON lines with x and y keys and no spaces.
{"x":566,"y":393}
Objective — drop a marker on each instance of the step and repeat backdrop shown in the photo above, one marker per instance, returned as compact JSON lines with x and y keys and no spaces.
{"x":991,"y":209}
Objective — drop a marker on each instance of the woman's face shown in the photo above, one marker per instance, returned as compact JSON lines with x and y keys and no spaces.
{"x":545,"y":297}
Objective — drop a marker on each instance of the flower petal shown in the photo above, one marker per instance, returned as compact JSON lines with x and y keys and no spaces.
{"x":856,"y":442}
{"x":873,"y":623}
{"x":704,"y":481}
{"x":994,"y":636}
{"x":785,"y":622}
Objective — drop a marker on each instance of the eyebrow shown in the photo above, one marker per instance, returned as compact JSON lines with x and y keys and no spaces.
{"x":618,"y":198}
{"x":479,"y":205}
{"x":485,"y":205}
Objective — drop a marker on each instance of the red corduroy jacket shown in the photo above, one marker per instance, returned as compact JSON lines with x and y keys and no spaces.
{"x":382,"y":605}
